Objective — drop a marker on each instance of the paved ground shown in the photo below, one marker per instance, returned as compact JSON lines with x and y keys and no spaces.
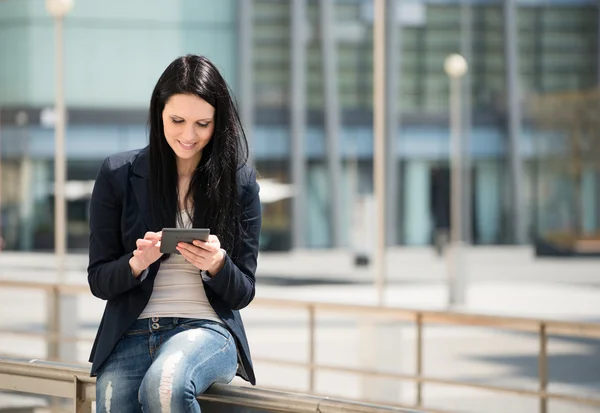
{"x":507,"y":281}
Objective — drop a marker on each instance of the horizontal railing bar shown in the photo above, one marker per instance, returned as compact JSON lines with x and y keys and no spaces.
{"x":46,"y":370}
{"x":444,"y":317}
{"x":572,"y":330}
{"x":432,"y":380}
{"x":555,"y":327}
{"x":287,"y":402}
{"x":392,"y":404}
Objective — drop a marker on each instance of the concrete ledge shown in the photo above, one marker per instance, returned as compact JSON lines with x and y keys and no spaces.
{"x":20,"y":375}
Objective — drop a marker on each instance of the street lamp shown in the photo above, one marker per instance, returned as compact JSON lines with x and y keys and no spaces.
{"x":456,"y":67}
{"x":59,"y":8}
{"x":60,"y":307}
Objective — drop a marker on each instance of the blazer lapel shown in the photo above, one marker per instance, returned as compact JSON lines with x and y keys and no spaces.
{"x":139,"y":183}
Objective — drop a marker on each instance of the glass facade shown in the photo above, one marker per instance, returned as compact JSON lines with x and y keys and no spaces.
{"x":558,"y":47}
{"x":557,"y":51}
{"x":114,"y":56}
{"x":114,"y":53}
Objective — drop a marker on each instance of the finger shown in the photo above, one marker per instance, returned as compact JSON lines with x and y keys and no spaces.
{"x":199,"y":255}
{"x":141,"y":243}
{"x":152,"y":235}
{"x":186,"y":254}
{"x":189,"y":257}
{"x":207,"y":246}
{"x":153,"y":244}
{"x":141,"y":257}
{"x":189,"y":248}
{"x":213,"y":239}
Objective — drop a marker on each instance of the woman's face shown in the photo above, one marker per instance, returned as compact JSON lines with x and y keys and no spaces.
{"x":188,"y":125}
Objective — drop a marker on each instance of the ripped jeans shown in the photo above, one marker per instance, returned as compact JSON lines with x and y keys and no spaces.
{"x":162,"y":364}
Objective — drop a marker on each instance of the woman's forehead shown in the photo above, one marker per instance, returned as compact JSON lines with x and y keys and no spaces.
{"x":189,"y":106}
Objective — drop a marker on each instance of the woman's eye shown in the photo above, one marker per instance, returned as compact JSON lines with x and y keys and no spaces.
{"x":203,"y":125}
{"x":177,"y":121}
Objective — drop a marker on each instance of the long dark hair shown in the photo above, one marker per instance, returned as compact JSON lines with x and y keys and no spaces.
{"x":213,"y":187}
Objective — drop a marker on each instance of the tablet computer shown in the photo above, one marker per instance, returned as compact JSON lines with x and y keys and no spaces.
{"x":172,"y":236}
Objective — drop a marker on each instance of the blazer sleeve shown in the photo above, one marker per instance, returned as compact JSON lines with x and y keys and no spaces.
{"x":109,"y":274}
{"x":235,"y":282}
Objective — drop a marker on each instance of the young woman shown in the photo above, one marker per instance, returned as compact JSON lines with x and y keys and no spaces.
{"x":171,"y":326}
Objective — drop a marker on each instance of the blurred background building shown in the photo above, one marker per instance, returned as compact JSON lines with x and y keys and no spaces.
{"x":116,"y":50}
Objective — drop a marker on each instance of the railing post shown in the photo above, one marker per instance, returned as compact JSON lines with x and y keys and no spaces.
{"x":311,"y":348}
{"x":419,"y":360}
{"x":53,"y":324}
{"x":543,"y":368}
{"x":80,"y":402}
{"x":53,"y":330}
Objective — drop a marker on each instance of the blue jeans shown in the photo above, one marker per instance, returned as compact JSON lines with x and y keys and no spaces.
{"x":162,"y":364}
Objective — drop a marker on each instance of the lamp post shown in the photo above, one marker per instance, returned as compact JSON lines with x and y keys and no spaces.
{"x":58,"y":9}
{"x":379,"y":155}
{"x":456,"y":66}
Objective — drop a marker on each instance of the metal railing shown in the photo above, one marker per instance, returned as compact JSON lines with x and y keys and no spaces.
{"x":74,"y":382}
{"x":541,"y":327}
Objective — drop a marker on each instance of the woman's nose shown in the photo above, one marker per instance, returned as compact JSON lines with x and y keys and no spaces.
{"x":189,"y":134}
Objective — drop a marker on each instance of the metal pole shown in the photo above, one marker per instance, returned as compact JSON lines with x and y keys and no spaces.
{"x":456,"y":187}
{"x":392,"y":116}
{"x":514,"y":120}
{"x":298,"y":121}
{"x":312,"y":344}
{"x":332,"y":119}
{"x":60,"y":215}
{"x":465,"y":50}
{"x":63,"y":307}
{"x":455,"y":257}
{"x":246,"y":71}
{"x":379,"y":101}
{"x":543,"y":367}
{"x":419,"y":360}
{"x":54,"y":304}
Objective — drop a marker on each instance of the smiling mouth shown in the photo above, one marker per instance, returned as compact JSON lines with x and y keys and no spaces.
{"x":187,"y":145}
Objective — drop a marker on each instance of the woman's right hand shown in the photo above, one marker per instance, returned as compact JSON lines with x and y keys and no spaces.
{"x":147,"y":252}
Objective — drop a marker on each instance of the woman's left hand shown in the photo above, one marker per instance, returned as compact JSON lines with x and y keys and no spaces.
{"x":204,"y":255}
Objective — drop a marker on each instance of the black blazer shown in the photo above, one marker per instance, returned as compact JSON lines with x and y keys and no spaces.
{"x":119,"y":215}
